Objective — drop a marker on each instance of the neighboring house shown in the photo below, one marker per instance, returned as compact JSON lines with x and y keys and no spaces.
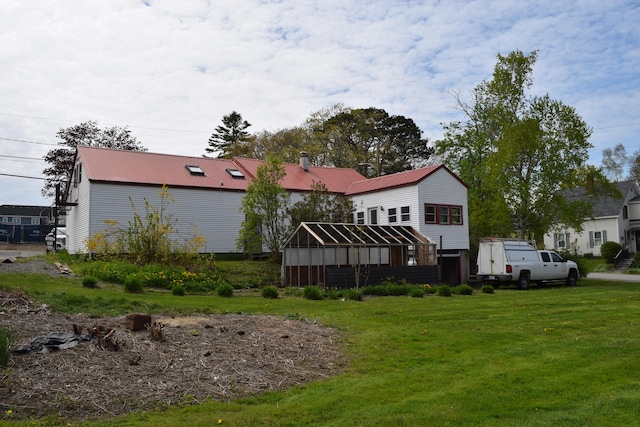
{"x":207,"y":192}
{"x":25,"y":224}
{"x":433,"y":200}
{"x":613,"y":219}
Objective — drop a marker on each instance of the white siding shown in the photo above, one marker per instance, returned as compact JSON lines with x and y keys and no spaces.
{"x":634,"y":211}
{"x":214,"y":214}
{"x":77,"y":219}
{"x":444,"y":189}
{"x":384,"y":200}
{"x":439,"y":188}
{"x":580,"y":242}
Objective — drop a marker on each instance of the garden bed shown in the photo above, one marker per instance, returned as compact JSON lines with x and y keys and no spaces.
{"x":220,"y":357}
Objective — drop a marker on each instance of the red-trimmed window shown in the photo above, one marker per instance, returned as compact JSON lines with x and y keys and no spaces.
{"x":443,"y":214}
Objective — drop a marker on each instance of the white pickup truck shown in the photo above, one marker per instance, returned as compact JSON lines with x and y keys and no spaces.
{"x":507,"y":261}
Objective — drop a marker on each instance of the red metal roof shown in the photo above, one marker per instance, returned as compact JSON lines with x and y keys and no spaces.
{"x":337,"y":180}
{"x":144,"y":168}
{"x":400,"y":179}
{"x":139,"y":167}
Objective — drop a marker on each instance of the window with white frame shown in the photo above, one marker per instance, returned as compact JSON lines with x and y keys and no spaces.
{"x":597,"y":238}
{"x":405,"y":213}
{"x":16,"y":220}
{"x":393,"y":215}
{"x":35,"y":221}
{"x":359,"y":217}
{"x":561,"y":241}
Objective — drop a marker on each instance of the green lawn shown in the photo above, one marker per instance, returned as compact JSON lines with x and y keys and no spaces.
{"x":545,"y":357}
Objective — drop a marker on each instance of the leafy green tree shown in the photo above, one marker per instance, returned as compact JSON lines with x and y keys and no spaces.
{"x":264,"y":205}
{"x":371,"y":138}
{"x":287,"y":144}
{"x":517,"y":153}
{"x":61,"y":159}
{"x":319,"y":205}
{"x":231,"y":137}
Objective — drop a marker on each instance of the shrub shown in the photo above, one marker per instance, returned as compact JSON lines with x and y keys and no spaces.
{"x":443,"y":291}
{"x":464,"y":290}
{"x":583,"y":266}
{"x":312,"y":293}
{"x":178,"y":290}
{"x":89,"y":282}
{"x":636,"y":261}
{"x":416,"y":293}
{"x":487,"y":289}
{"x":6,"y":338}
{"x":384,"y":289}
{"x":428,"y":289}
{"x":333,"y":294}
{"x":269,"y":292}
{"x":379,"y":290}
{"x":292,"y":291}
{"x":133,"y":284}
{"x":225,"y":290}
{"x":113,"y":272}
{"x":609,"y":250}
{"x":352,"y":294}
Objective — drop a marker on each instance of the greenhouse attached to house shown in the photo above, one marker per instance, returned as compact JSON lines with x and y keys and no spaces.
{"x":350,"y":255}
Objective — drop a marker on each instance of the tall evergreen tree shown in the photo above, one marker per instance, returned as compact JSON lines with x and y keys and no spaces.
{"x":231,"y":137}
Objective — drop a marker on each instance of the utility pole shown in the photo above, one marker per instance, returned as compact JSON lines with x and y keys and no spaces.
{"x":55,"y":218}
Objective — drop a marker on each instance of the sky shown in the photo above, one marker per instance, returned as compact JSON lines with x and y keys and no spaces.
{"x":170,"y":70}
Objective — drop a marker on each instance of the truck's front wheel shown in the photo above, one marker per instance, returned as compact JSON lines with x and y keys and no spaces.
{"x":523,"y":281}
{"x":572,"y":278}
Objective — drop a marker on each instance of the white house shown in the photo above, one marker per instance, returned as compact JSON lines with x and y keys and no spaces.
{"x":207,"y":193}
{"x":613,"y":219}
{"x":107,"y":184}
{"x":433,"y":200}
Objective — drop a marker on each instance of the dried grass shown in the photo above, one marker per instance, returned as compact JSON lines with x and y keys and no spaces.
{"x":221,"y":357}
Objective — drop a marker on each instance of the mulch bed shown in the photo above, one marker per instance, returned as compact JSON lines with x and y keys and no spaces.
{"x":197,"y":358}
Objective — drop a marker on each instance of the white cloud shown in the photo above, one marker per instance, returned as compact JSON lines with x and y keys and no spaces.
{"x":170,"y":70}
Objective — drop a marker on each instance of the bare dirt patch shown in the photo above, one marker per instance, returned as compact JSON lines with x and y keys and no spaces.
{"x":220,"y":357}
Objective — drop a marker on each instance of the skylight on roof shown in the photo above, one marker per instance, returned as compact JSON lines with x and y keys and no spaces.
{"x":235,"y":173}
{"x":195,"y":170}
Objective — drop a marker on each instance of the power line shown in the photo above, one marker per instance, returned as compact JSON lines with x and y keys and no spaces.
{"x":22,"y":176}
{"x":22,"y":157}
{"x":28,"y":142}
